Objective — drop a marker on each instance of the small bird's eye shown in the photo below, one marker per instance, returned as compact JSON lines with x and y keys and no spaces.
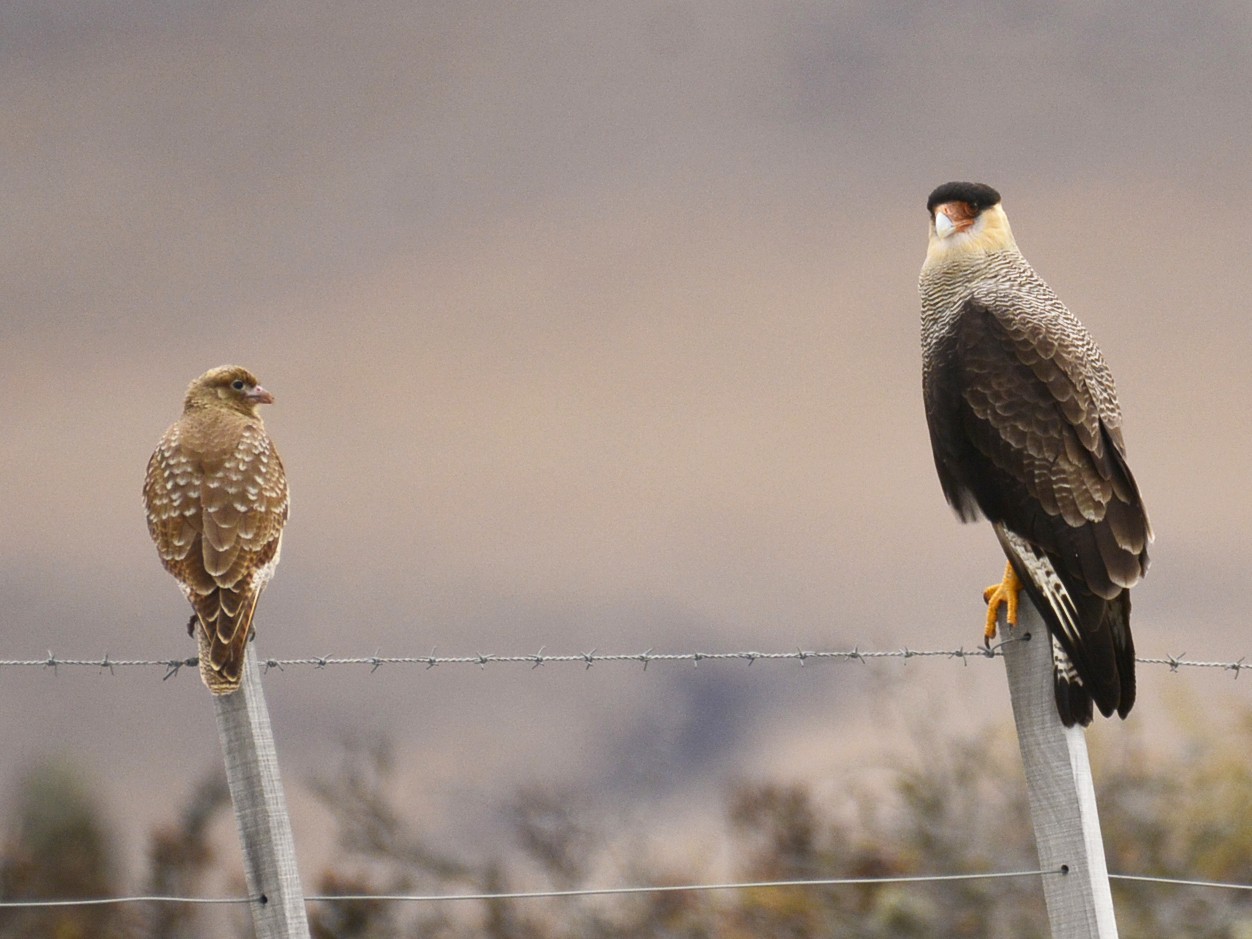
{"x":237,"y":384}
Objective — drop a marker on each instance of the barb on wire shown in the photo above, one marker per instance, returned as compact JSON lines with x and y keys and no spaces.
{"x":173,"y":666}
{"x":1175,"y":662}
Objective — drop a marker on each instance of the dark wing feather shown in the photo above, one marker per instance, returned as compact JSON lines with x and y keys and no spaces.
{"x":1032,"y":416}
{"x":1017,"y":432}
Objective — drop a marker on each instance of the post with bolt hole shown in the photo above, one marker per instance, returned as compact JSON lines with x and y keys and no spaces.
{"x":269,"y":854}
{"x":1059,"y":785}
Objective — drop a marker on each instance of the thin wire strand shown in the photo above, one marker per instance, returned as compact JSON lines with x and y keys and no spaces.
{"x":1178,"y":882}
{"x":619,"y":891}
{"x":677,"y":888}
{"x":587,"y":659}
{"x":542,"y":894}
{"x":109,"y":901}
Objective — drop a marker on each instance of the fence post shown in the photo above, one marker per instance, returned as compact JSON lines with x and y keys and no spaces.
{"x":269,"y":855}
{"x":1059,"y":785}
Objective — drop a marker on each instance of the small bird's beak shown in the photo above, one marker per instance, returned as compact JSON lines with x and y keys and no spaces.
{"x":259,"y":395}
{"x":953,"y":217}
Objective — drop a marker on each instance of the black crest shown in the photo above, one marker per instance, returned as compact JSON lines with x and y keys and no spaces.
{"x":979,"y":195}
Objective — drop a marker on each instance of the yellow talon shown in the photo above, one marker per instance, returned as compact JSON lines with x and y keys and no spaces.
{"x":1001,"y":594}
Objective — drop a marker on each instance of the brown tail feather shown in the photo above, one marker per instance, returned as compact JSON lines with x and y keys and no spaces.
{"x":225,"y":625}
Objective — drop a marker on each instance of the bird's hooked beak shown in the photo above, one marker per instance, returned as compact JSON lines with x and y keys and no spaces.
{"x":953,"y":217}
{"x":259,"y":395}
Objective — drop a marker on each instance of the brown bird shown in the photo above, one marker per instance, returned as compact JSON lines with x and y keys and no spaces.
{"x":216,"y":496}
{"x":1027,"y":432}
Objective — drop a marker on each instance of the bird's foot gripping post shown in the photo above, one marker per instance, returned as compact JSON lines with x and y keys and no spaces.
{"x":1004,"y":594}
{"x":269,"y":854}
{"x":1060,"y":789}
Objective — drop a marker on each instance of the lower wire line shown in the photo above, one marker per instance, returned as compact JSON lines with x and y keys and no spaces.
{"x":1178,"y":882}
{"x":540,"y":894}
{"x":618,"y":891}
{"x":677,"y":888}
{"x":537,"y":894}
{"x":107,"y":901}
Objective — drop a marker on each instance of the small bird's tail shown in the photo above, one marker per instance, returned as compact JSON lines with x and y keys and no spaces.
{"x":225,"y":622}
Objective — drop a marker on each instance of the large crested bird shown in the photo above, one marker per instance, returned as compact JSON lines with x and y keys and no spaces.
{"x":1027,"y":432}
{"x":216,"y":497}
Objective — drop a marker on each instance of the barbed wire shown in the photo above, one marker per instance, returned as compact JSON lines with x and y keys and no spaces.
{"x":619,"y":891}
{"x":173,"y":666}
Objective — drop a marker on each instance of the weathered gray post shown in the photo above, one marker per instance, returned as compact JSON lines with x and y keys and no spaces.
{"x":1058,"y":782}
{"x":269,"y":854}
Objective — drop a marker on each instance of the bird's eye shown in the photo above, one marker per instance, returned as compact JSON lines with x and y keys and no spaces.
{"x":237,"y":384}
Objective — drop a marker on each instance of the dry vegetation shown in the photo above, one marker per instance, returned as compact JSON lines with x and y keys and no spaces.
{"x":957,"y":806}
